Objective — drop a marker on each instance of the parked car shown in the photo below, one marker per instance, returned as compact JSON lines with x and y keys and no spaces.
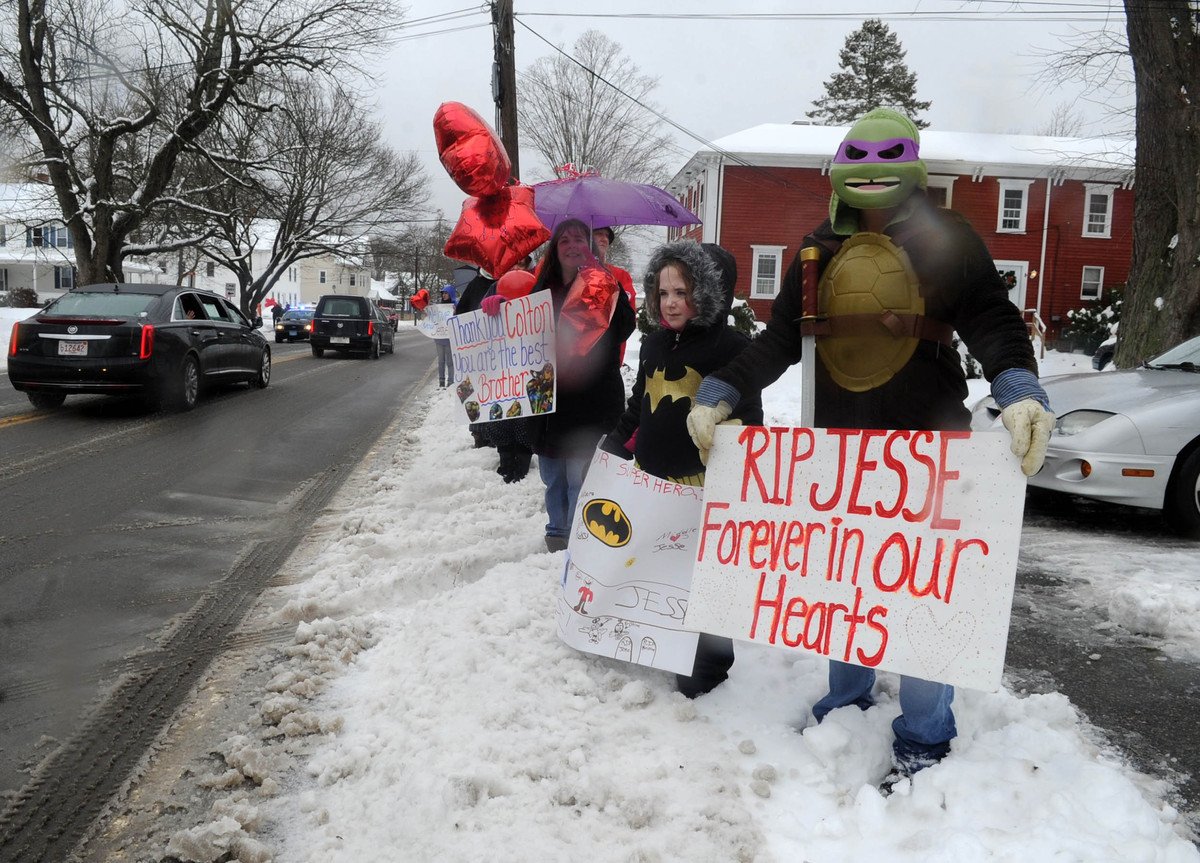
{"x":1129,"y":437}
{"x":163,"y":342}
{"x":295,"y":324}
{"x":1104,"y":353}
{"x":350,"y":325}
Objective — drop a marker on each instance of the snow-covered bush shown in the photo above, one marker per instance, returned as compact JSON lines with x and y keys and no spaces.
{"x":1095,"y":322}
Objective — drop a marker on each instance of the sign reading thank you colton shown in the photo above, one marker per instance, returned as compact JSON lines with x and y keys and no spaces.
{"x":895,"y":550}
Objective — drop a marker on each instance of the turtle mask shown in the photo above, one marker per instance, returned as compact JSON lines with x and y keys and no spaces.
{"x":878,"y":164}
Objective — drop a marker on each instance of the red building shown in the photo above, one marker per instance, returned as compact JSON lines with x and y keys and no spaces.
{"x":1056,"y":213}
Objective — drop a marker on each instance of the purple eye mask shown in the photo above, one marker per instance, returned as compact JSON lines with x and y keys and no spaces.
{"x":853,"y":152}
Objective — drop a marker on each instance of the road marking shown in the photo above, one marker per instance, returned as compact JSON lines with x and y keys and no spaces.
{"x":21,"y":418}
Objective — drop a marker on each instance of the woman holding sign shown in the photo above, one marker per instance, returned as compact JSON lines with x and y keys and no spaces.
{"x":689,"y":292}
{"x":590,"y":391}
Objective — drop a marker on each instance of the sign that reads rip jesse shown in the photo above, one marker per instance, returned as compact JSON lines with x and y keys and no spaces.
{"x":895,"y":550}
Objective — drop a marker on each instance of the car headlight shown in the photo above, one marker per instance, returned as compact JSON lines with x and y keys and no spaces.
{"x":279,"y":327}
{"x":1077,"y":421}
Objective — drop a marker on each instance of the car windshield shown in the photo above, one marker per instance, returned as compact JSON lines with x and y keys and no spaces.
{"x":101,"y":304}
{"x":297,"y":315}
{"x":346,"y":308}
{"x":1185,"y":356}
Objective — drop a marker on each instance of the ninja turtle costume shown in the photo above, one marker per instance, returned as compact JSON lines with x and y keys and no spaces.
{"x":889,"y":303}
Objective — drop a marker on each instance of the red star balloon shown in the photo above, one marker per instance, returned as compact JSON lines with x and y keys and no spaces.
{"x":588,"y":309}
{"x":495,"y":231}
{"x":470,"y":150}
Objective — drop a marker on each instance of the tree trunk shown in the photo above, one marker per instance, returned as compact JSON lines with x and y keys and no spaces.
{"x":1162,"y":299}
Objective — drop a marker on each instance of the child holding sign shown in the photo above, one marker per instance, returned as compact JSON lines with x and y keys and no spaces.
{"x":689,"y":293}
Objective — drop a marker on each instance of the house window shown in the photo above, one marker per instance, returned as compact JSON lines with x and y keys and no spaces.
{"x":1097,"y":211}
{"x":3,"y":235}
{"x":940,"y":191}
{"x":33,"y":237}
{"x":64,"y":278}
{"x":321,"y":277}
{"x":768,"y":267}
{"x":1093,"y":283}
{"x":3,"y":278}
{"x":210,"y":269}
{"x":352,"y":280}
{"x":1014,"y":203}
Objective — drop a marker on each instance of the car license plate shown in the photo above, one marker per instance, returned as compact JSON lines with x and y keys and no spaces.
{"x":72,"y":349}
{"x":339,"y":340}
{"x":291,"y":332}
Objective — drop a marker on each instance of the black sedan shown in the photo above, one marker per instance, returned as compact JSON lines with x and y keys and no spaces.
{"x":163,"y":342}
{"x":295,"y":325}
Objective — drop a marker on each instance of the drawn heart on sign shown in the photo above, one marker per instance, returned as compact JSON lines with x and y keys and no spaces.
{"x":938,"y":643}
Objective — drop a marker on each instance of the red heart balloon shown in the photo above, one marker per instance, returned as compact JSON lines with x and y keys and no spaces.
{"x":496,"y":231}
{"x":515,"y":284}
{"x":470,"y":150}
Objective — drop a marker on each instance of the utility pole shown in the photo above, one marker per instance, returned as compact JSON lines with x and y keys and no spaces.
{"x":504,"y":80}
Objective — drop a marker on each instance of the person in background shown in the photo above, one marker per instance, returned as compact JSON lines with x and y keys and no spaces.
{"x":602,"y":239}
{"x":444,"y":360}
{"x":276,"y":312}
{"x":689,"y":293}
{"x":590,"y":391}
{"x":898,"y":370}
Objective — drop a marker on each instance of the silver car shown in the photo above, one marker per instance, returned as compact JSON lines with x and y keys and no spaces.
{"x":1129,"y":437}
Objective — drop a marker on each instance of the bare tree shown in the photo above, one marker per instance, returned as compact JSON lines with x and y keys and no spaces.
{"x":111,"y":95}
{"x":568,"y":113}
{"x":1065,"y":122}
{"x":1162,"y":299}
{"x":322,"y":183}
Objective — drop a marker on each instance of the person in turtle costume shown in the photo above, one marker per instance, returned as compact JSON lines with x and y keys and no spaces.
{"x":898,"y":277}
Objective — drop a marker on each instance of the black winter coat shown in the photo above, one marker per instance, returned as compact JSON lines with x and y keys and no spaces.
{"x":672,"y":364}
{"x":960,"y":286}
{"x":590,"y":392}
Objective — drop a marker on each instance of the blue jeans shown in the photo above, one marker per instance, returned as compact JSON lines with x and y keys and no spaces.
{"x":925,"y":725}
{"x":562,"y":478}
{"x":445,"y":363}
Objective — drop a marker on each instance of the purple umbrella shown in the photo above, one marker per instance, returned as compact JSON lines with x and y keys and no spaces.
{"x":603,"y":203}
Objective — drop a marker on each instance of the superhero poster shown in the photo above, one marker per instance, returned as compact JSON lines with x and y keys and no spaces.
{"x":627,"y":576}
{"x":894,"y":550}
{"x":504,"y":365}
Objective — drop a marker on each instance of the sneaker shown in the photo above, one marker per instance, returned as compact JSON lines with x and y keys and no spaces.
{"x":556,"y":543}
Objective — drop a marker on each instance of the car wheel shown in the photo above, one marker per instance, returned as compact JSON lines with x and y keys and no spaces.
{"x":47,"y":401}
{"x":185,"y":391}
{"x":374,"y":352}
{"x":317,"y":352}
{"x":264,"y":370}
{"x":278,"y":339}
{"x":1183,"y":499}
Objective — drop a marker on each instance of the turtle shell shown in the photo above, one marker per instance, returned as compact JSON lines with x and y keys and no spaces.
{"x":869,"y":275}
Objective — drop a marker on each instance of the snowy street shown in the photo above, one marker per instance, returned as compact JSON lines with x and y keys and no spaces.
{"x":401,"y":695}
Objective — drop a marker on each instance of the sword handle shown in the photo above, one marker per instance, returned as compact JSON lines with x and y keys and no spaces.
{"x":810,"y":258}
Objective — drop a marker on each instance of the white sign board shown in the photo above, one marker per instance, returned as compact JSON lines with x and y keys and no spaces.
{"x":504,"y":365}
{"x":435,"y":323}
{"x":629,"y":566}
{"x":894,"y":550}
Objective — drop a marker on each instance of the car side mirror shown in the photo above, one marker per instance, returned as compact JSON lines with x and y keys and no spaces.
{"x":257,"y":321}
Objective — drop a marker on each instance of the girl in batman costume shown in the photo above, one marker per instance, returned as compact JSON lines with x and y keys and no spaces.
{"x":682,"y":348}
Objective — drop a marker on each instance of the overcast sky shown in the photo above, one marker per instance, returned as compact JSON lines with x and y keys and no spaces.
{"x":978,"y":62}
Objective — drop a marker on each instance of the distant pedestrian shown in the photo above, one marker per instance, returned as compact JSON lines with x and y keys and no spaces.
{"x":276,"y":312}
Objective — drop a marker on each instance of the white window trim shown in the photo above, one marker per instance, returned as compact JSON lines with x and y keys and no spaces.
{"x":942,"y":182}
{"x":1099,"y":284}
{"x":1090,"y":189}
{"x":1005,"y":186}
{"x":758,"y":252}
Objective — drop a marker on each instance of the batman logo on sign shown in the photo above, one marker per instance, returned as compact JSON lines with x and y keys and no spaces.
{"x":607,"y":522}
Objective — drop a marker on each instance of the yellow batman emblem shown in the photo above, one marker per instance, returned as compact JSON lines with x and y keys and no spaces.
{"x":606,"y":521}
{"x":658,"y":387}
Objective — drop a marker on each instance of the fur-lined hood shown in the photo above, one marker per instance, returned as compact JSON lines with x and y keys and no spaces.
{"x":714,"y":274}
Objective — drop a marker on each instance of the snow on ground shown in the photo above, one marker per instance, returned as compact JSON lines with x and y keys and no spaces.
{"x":445,"y":720}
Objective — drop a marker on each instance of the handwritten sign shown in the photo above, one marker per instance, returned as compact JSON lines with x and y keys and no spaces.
{"x":629,"y":565}
{"x":894,"y":550}
{"x":505,"y":364}
{"x":435,"y":323}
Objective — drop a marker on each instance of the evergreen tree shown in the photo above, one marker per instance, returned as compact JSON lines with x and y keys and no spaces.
{"x":873,"y":75}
